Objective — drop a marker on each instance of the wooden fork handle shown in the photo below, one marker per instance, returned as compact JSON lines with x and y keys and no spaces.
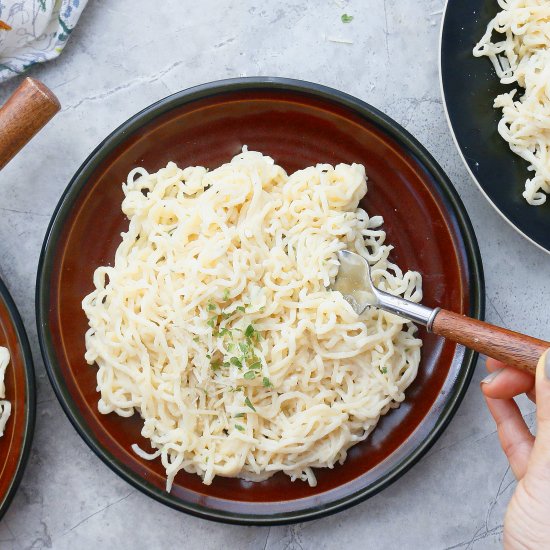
{"x":26,"y":111}
{"x":517,"y":350}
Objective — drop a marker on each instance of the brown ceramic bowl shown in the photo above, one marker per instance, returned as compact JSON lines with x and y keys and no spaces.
{"x":298,"y":124}
{"x":15,"y":444}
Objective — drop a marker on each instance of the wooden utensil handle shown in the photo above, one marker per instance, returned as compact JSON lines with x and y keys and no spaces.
{"x":26,"y":111}
{"x":514,"y":349}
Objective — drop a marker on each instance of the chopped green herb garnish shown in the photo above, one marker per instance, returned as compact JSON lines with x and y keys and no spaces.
{"x":226,"y":295}
{"x":256,"y":366}
{"x":239,"y":415}
{"x":211,"y":306}
{"x":211,"y":322}
{"x":248,"y":403}
{"x":223,"y":331}
{"x":216,"y":365}
{"x":249,"y":375}
{"x":208,"y":356}
{"x":346,"y":18}
{"x":196,"y":339}
{"x":241,"y":308}
{"x":245,"y":348}
{"x":235,"y":361}
{"x":267,"y":382}
{"x":383,"y":370}
{"x":249,"y":331}
{"x":231,"y":347}
{"x":239,"y":427}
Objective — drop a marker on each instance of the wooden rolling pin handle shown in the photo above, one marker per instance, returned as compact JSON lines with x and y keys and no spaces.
{"x":512,"y":348}
{"x":26,"y":111}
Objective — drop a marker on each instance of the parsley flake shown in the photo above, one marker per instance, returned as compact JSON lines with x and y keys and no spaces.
{"x":248,"y":403}
{"x":256,"y":366}
{"x":239,"y":427}
{"x":383,"y":370}
{"x":226,"y":295}
{"x":267,"y":382}
{"x":249,"y":375}
{"x":245,"y":348}
{"x":211,"y":306}
{"x":249,"y":331}
{"x":239,"y":415}
{"x":346,"y":18}
{"x":235,"y":361}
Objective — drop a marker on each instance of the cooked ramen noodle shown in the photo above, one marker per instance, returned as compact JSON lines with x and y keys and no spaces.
{"x":521,"y":56}
{"x":217,"y":325}
{"x":5,"y":406}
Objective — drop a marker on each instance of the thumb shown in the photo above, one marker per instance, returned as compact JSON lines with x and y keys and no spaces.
{"x":540,"y":458}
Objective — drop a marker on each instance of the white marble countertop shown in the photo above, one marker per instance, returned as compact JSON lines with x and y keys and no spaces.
{"x":126,"y":54}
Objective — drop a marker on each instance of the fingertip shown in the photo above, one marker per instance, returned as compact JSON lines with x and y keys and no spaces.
{"x":494,"y":365}
{"x":486,"y":382}
{"x":506,"y":383}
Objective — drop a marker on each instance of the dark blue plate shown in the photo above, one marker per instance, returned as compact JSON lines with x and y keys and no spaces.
{"x":469,"y":87}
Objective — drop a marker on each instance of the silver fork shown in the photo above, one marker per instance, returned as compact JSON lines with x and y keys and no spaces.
{"x":355,"y":283}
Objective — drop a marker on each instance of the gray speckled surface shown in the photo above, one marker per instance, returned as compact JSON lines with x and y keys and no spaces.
{"x":127,"y":54}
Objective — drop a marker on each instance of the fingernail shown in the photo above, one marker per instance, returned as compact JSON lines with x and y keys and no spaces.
{"x":493,"y":375}
{"x":547,"y":365}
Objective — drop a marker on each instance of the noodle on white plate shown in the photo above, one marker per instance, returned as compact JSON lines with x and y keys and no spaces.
{"x":216,"y":323}
{"x":5,"y":406}
{"x":522,"y":57}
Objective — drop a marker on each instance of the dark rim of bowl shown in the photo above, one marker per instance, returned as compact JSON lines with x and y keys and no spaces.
{"x":30,"y":390}
{"x":78,"y":182}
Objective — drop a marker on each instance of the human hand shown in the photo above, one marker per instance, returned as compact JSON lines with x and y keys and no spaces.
{"x":527,"y":520}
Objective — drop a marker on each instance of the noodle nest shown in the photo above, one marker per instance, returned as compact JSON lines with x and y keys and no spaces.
{"x":522,"y":57}
{"x":217,"y":325}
